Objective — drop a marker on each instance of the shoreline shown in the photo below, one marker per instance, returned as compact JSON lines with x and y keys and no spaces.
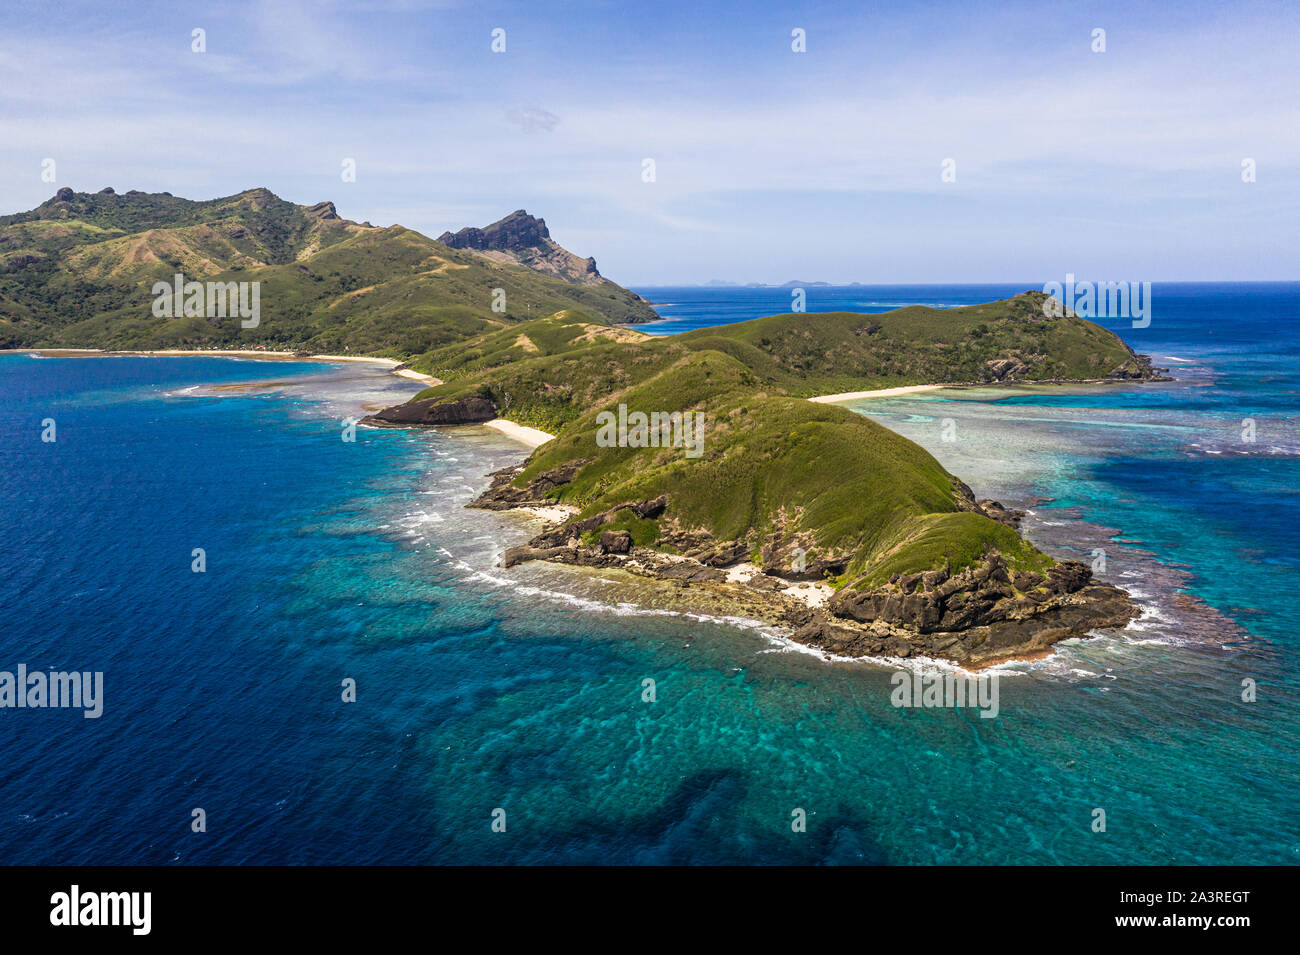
{"x":800,"y":606}
{"x":1081,"y":612}
{"x":877,"y":393}
{"x":533,"y":437}
{"x":986,"y":620}
{"x":394,"y":366}
{"x":902,"y":390}
{"x":1021,"y":634}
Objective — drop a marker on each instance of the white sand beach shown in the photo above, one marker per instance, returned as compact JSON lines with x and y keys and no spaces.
{"x":427,"y":379}
{"x":533,"y":437}
{"x":392,"y":363}
{"x":878,"y":393}
{"x":557,"y":514}
{"x":814,"y":593}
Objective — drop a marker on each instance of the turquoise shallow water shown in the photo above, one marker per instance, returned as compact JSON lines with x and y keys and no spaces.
{"x":481,"y":688}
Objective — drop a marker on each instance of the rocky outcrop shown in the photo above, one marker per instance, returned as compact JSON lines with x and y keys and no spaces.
{"x":1003,"y":515}
{"x":982,"y":614}
{"x":1139,"y":367}
{"x":798,"y":558}
{"x":932,"y":601}
{"x":503,"y":495}
{"x":1004,"y":369}
{"x":991,"y":509}
{"x":475,"y":409}
{"x":1094,"y":607}
{"x":515,"y":233}
{"x":524,"y":240}
{"x":323,"y":211}
{"x":615,"y":542}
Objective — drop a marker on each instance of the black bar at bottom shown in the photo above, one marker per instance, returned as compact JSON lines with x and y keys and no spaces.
{"x":338,"y":904}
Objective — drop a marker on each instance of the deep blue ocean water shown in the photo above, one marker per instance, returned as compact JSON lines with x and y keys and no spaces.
{"x":481,"y":688}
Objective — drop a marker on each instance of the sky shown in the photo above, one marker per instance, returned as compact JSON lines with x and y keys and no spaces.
{"x":769,"y":164}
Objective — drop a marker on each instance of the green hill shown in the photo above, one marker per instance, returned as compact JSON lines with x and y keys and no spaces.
{"x":1005,"y":340}
{"x":800,"y":355}
{"x":78,"y":271}
{"x":776,"y":472}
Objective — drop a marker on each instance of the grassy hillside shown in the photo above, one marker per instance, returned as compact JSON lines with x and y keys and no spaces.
{"x":78,"y":270}
{"x":836,"y":352}
{"x":777,"y":472}
{"x":799,"y":355}
{"x":566,"y":331}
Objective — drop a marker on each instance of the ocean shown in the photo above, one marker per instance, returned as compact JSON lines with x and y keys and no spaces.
{"x":488,"y":694}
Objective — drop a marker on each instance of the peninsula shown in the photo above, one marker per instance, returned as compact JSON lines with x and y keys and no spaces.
{"x":796,"y":510}
{"x":720,"y":478}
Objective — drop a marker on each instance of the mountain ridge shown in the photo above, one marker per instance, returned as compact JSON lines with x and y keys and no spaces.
{"x":77,"y":271}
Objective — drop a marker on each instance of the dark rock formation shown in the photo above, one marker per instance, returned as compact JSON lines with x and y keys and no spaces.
{"x":1139,"y":367}
{"x":503,"y":495}
{"x":989,"y":508}
{"x":525,"y":240}
{"x":515,"y":233}
{"x":1068,"y":577}
{"x":1003,"y":515}
{"x":981,"y":615}
{"x":796,"y":558}
{"x":472,"y":410}
{"x":978,"y":596}
{"x":615,"y":542}
{"x":323,"y":211}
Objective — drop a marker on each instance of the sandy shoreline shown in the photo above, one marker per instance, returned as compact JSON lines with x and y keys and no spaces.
{"x":533,"y":437}
{"x":877,"y":393}
{"x":427,"y":379}
{"x":391,"y":363}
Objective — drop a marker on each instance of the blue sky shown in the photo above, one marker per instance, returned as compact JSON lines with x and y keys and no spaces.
{"x":770,"y":165}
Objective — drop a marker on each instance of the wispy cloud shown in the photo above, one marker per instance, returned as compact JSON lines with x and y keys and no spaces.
{"x":825,"y":164}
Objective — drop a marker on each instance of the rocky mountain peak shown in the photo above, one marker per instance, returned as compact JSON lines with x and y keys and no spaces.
{"x":323,"y":210}
{"x":514,"y":233}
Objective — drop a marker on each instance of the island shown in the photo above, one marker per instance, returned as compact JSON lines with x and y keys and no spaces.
{"x":698,"y":460}
{"x":798,"y":511}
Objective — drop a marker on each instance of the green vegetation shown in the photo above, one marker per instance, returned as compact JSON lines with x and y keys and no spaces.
{"x":835,"y":352}
{"x":955,"y":540}
{"x":778,"y":468}
{"x":800,"y":355}
{"x":566,"y":331}
{"x":78,"y":271}
{"x":778,"y":471}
